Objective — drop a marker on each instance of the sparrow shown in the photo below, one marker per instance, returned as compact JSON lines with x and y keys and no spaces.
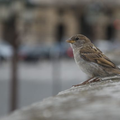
{"x":91,"y":60}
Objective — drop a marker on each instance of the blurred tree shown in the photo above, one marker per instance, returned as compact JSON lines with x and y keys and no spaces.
{"x":10,"y":35}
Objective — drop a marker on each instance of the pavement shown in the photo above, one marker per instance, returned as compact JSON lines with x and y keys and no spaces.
{"x":37,"y":81}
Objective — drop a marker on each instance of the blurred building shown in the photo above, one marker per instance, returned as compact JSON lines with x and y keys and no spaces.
{"x":48,"y":21}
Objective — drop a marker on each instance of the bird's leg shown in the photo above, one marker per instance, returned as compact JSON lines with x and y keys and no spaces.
{"x":93,"y":79}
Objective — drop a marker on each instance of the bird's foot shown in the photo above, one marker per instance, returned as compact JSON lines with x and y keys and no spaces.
{"x":93,"y":79}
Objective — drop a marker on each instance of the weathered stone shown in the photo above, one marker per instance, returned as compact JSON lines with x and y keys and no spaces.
{"x":96,"y":101}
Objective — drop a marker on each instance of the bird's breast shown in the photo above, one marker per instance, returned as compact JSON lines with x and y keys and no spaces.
{"x":80,"y":61}
{"x":84,"y":65}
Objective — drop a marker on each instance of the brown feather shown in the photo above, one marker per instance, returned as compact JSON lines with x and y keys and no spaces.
{"x":92,"y":54}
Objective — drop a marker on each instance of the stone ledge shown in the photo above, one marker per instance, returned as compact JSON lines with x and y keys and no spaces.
{"x":96,"y":101}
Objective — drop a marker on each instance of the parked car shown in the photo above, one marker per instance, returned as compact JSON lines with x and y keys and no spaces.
{"x":38,"y":52}
{"x":59,"y":50}
{"x":33,"y":53}
{"x":6,"y":50}
{"x":69,"y":52}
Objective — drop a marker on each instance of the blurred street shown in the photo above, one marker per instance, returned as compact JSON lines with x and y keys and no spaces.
{"x":35,"y":81}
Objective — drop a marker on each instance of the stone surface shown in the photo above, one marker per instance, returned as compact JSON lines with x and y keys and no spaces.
{"x":96,"y":101}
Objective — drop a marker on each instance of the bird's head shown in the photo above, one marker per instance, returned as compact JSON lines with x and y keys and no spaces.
{"x":78,"y":40}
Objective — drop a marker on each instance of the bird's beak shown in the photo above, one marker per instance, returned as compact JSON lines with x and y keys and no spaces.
{"x":70,"y":41}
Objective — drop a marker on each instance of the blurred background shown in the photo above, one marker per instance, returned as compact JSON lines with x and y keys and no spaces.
{"x":35,"y":60}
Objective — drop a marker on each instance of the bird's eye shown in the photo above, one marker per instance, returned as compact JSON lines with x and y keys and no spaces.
{"x":77,"y":38}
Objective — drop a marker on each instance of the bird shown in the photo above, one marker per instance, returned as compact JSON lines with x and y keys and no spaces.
{"x":91,"y":60}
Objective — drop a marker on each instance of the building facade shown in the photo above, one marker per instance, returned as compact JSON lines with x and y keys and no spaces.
{"x":50,"y":21}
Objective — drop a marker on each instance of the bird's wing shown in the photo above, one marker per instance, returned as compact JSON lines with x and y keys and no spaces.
{"x":92,"y":54}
